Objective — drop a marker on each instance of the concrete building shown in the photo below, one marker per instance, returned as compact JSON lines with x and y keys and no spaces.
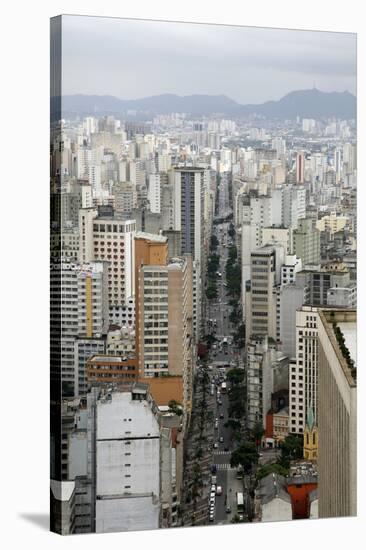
{"x":293,"y":205}
{"x":111,"y":369}
{"x":165,"y":322}
{"x":260,"y":302}
{"x":332,"y":282}
{"x":125,"y":448}
{"x":332,"y":223}
{"x":290,"y":297}
{"x":303,"y":383}
{"x":109,"y":239}
{"x":189,"y":209}
{"x":121,"y":341}
{"x":277,"y":234}
{"x":154,"y":193}
{"x":79,"y":306}
{"x":307,"y":243}
{"x":300,"y":167}
{"x":337,"y":413}
{"x":267,"y":372}
{"x":125,"y":198}
{"x":292,"y":265}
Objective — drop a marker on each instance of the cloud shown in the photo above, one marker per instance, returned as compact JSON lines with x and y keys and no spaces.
{"x":130,"y":59}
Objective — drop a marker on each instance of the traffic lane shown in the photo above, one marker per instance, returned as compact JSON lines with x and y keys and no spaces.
{"x":220,"y":514}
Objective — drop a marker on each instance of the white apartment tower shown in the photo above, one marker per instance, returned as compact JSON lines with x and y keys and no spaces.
{"x":110,"y":240}
{"x":303,"y":382}
{"x":154,"y":193}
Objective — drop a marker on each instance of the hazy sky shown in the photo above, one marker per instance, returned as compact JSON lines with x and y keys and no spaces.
{"x":132,"y":59}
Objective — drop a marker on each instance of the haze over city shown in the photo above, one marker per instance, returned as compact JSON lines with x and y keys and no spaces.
{"x":131,"y":59}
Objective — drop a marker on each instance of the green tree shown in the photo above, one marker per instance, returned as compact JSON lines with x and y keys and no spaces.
{"x":211,"y":292}
{"x":235,"y":376}
{"x":246,"y":456}
{"x":291,"y":449}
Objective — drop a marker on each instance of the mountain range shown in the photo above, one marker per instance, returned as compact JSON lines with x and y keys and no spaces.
{"x":304,"y":103}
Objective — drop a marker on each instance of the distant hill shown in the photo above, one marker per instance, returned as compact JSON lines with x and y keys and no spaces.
{"x":307,"y":104}
{"x":304,"y":103}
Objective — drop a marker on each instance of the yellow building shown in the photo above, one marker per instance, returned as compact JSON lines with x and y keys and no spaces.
{"x":310,"y":437}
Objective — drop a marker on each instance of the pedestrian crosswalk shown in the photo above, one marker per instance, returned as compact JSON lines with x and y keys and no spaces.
{"x":222,"y":452}
{"x":224,"y":467}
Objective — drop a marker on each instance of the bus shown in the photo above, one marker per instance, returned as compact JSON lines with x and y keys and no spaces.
{"x":240,"y":502}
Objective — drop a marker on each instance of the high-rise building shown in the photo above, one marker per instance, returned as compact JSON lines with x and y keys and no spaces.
{"x":188,"y":209}
{"x":337,"y":414}
{"x":109,"y":239}
{"x":260,"y":303}
{"x":154,"y":193}
{"x":300,"y":167}
{"x":303,"y":382}
{"x":79,"y":306}
{"x":307,"y":243}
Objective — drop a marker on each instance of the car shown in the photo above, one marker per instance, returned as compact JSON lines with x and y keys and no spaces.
{"x":228,"y":509}
{"x":221,"y":439}
{"x":222,"y":415}
{"x":213,"y":487}
{"x":241,"y":517}
{"x":219,"y":402}
{"x":219,"y":490}
{"x":212,"y":517}
{"x":212,"y":494}
{"x":212,"y":499}
{"x":215,"y":445}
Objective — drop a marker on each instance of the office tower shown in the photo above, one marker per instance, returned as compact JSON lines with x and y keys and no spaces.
{"x":303,"y":382}
{"x":188,"y":209}
{"x":300,"y":167}
{"x":337,"y":410}
{"x":109,"y":239}
{"x":154,"y":193}
{"x":265,"y":273}
{"x":307,"y":243}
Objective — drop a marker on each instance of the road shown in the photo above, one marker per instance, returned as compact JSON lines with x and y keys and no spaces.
{"x":218,"y":324}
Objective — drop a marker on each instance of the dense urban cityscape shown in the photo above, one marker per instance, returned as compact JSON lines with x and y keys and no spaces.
{"x":203,"y":277}
{"x":207,"y":320}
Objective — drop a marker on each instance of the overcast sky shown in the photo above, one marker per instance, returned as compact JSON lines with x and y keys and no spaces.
{"x":132,"y":59}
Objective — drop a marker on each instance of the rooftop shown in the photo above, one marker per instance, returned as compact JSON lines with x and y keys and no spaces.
{"x":151,"y":237}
